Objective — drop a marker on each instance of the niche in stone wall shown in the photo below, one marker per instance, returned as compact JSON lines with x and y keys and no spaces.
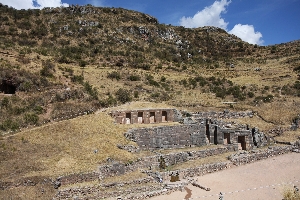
{"x":227,"y":138}
{"x":140,"y":118}
{"x":152,"y":117}
{"x":128,"y":118}
{"x":242,"y":142}
{"x":164,"y":116}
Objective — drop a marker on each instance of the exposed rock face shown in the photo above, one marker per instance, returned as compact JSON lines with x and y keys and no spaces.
{"x":259,"y":138}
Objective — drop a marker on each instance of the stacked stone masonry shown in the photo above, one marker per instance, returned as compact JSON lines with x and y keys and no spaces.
{"x":223,"y":115}
{"x":153,"y":188}
{"x":146,"y":116}
{"x":192,"y":135}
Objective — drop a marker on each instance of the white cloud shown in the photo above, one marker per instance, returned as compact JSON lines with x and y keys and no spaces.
{"x":26,"y":4}
{"x":247,"y":33}
{"x":209,"y":16}
{"x":51,"y":3}
{"x":98,"y":3}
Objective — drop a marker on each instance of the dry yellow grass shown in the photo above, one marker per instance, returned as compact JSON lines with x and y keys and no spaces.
{"x":255,"y":121}
{"x":135,"y":105}
{"x":289,"y":193}
{"x":289,"y":136}
{"x":68,"y":146}
{"x":280,"y":112}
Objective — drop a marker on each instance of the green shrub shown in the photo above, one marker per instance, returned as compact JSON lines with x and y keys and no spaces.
{"x":110,"y":101}
{"x":90,"y":90}
{"x":82,"y":63}
{"x":114,"y":75}
{"x":38,"y":110}
{"x":48,"y":69}
{"x":123,"y":95}
{"x":31,"y":118}
{"x":77,"y":78}
{"x":250,"y":94}
{"x":297,"y":69}
{"x":151,"y":81}
{"x":162,"y":163}
{"x":5,"y":102}
{"x":163,"y":79}
{"x":9,"y":124}
{"x":134,"y":78}
{"x":136,"y":94}
{"x":155,"y":95}
{"x":297,"y":85}
{"x":265,"y":99}
{"x":201,"y":80}
{"x":159,"y":66}
{"x":192,"y":83}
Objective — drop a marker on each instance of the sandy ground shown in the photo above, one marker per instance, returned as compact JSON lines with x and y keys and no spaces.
{"x":262,"y":180}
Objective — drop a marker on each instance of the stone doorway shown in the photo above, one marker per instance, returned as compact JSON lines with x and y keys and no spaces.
{"x":227,"y":138}
{"x":128,"y":118}
{"x":242,"y":142}
{"x":164,"y":116}
{"x":216,"y":135}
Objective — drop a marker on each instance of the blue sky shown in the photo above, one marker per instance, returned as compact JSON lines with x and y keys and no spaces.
{"x":263,"y":22}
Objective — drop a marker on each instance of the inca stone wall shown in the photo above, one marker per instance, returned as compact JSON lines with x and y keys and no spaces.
{"x":241,"y":158}
{"x":223,"y":115}
{"x":148,"y":187}
{"x":150,"y":162}
{"x":146,"y":116}
{"x":189,"y":135}
{"x":167,"y":137}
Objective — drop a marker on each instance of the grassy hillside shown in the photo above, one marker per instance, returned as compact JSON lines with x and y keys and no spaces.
{"x":87,"y":58}
{"x":59,"y":63}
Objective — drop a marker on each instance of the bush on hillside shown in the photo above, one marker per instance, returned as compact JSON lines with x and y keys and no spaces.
{"x":114,"y":75}
{"x":123,"y":95}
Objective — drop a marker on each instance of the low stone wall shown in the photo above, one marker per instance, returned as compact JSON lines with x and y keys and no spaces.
{"x":223,"y":115}
{"x":164,"y":191}
{"x":78,"y":178}
{"x":152,"y":162}
{"x":136,"y":191}
{"x":25,"y":182}
{"x":103,"y":191}
{"x":192,"y":172}
{"x":241,"y":158}
{"x":149,"y":187}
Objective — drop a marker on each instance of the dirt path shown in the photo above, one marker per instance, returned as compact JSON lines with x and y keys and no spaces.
{"x":263,"y":180}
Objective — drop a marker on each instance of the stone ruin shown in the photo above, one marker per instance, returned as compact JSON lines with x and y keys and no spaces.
{"x":146,"y":116}
{"x":154,"y":182}
{"x":198,"y":130}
